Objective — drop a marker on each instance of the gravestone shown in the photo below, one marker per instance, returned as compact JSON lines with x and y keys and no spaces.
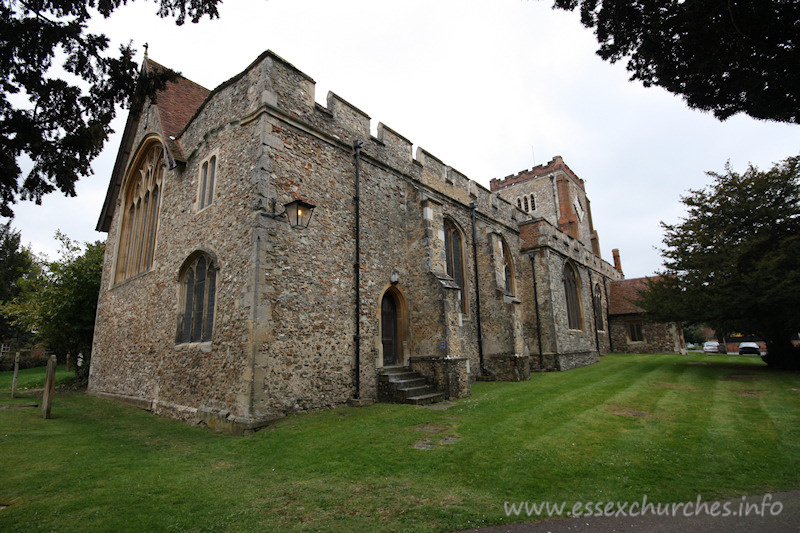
{"x":16,"y":371}
{"x":49,"y":387}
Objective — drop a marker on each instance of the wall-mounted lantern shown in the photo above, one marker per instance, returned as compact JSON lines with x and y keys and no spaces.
{"x":297,"y":213}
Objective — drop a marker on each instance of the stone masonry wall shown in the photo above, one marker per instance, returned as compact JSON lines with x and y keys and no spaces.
{"x":135,"y":350}
{"x":285,"y":321}
{"x":659,"y":337}
{"x":551,"y":250}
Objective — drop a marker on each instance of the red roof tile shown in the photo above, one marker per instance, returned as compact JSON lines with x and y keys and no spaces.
{"x":177,"y":103}
{"x":623,"y":293}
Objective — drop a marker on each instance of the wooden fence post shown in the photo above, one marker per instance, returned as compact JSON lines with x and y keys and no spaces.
{"x":16,"y":371}
{"x":49,"y":387}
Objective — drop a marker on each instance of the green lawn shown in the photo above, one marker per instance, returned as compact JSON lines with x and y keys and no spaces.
{"x":30,"y":378}
{"x":717,"y":426}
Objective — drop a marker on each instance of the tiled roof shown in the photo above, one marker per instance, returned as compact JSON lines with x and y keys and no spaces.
{"x":623,"y":293}
{"x":177,"y":104}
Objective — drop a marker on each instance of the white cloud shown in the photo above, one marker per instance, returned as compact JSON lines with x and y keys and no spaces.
{"x":475,"y":83}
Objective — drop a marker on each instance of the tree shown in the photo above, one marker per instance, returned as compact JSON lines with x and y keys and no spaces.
{"x":725,"y":56}
{"x":734,"y":261}
{"x":61,"y":304}
{"x":16,"y":265}
{"x":59,"y":125}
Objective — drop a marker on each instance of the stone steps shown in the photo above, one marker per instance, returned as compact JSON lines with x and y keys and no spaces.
{"x":400,"y":384}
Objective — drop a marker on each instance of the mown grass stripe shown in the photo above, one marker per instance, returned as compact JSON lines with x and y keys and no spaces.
{"x":103,"y":466}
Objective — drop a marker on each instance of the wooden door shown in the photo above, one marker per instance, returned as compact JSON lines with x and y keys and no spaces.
{"x":389,"y":329}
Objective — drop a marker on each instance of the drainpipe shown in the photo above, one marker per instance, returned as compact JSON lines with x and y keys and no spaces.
{"x":532,"y":257}
{"x":357,"y":268}
{"x":473,"y":206}
{"x":254,"y":321}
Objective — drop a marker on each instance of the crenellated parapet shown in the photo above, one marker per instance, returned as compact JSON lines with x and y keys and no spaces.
{"x":541,"y":234}
{"x":555,"y":165}
{"x":274,"y":86}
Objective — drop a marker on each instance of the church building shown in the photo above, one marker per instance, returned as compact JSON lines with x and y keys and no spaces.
{"x":266,"y":254}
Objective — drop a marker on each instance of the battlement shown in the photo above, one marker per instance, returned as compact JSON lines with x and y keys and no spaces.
{"x":540,"y":233}
{"x":554,"y":165}
{"x":272,"y":82}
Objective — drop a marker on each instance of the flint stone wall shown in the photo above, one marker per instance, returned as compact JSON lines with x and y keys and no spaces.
{"x":285,"y":321}
{"x":659,"y":337}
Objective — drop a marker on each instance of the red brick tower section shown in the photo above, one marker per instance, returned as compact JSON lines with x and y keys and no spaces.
{"x":595,"y":238}
{"x":617,"y":262}
{"x":567,"y":218}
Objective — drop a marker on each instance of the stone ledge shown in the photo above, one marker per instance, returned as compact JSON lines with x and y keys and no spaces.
{"x":240,"y":426}
{"x":220,"y":421}
{"x":135,"y":401}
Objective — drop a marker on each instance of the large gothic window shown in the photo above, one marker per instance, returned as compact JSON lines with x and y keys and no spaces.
{"x":140,"y":202}
{"x":198,"y":279}
{"x":571,"y":290}
{"x":454,"y":258}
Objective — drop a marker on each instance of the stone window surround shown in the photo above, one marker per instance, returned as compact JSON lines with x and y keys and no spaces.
{"x":572,"y":296}
{"x":639,"y":331}
{"x":206,"y":188}
{"x":209,"y":292}
{"x":506,"y":265}
{"x":462,"y":253}
{"x":597,"y":300}
{"x":147,"y":168}
{"x":529,"y":204}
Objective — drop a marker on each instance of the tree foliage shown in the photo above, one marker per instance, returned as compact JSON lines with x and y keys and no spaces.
{"x":61,"y":303}
{"x":16,"y":265}
{"x":725,"y":56}
{"x":62,"y":126}
{"x":734,"y":261}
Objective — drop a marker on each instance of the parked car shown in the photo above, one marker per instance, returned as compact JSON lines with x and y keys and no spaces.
{"x":711,"y":347}
{"x":749,"y":348}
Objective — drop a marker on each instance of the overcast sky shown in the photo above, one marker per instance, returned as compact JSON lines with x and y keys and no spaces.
{"x":490,"y":88}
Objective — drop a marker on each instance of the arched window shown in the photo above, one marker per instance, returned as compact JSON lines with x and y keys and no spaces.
{"x":533,"y":203}
{"x":198,"y":287}
{"x":454,"y":258}
{"x":526,"y":204}
{"x":572,"y":292}
{"x":519,"y":203}
{"x":140,"y":202}
{"x":598,"y":307}
{"x":508,"y":267}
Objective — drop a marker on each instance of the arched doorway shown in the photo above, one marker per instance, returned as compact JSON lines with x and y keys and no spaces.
{"x":389,"y":329}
